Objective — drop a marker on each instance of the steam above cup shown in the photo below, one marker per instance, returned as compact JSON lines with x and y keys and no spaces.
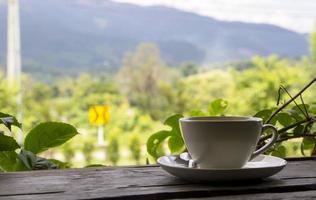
{"x":224,"y":142}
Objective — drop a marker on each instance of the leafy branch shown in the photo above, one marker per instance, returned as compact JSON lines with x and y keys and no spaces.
{"x":296,"y":122}
{"x":313,"y":135}
{"x":291,"y":100}
{"x":301,"y":128}
{"x":42,"y":137}
{"x":285,"y":129}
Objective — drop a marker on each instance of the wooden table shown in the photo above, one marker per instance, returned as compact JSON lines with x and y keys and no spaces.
{"x":296,"y":181}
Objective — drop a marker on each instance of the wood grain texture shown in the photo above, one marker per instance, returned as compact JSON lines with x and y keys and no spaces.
{"x":306,"y":195}
{"x":146,"y":182}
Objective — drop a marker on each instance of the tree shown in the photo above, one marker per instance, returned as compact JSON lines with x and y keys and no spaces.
{"x":188,"y":69}
{"x":140,"y":75}
{"x":113,"y":148}
{"x":87,"y":150}
{"x":135,"y":147}
{"x":68,"y":151}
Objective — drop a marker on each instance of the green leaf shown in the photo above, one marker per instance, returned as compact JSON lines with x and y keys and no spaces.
{"x":217,"y":107}
{"x":197,"y":113}
{"x":298,"y":116}
{"x":175,"y":141}
{"x":10,"y":162}
{"x":33,"y":162}
{"x":43,"y":163}
{"x":47,"y":135}
{"x":300,"y":108}
{"x":28,"y":158}
{"x":264,"y":114}
{"x":312,"y":108}
{"x":95,"y":165}
{"x":308,"y":127}
{"x":60,"y":164}
{"x":279,"y":152}
{"x":9,"y":120}
{"x":298,"y":130}
{"x":173,"y":122}
{"x":154,"y":141}
{"x":8,"y":143}
{"x":176,"y":144}
{"x":307,"y":144}
{"x":284,"y":119}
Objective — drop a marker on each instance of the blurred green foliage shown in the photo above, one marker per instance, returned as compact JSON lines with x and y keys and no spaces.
{"x":135,"y":147}
{"x":146,"y":91}
{"x":113,"y":148}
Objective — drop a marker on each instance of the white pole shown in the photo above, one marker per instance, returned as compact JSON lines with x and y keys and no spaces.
{"x":13,"y":44}
{"x":14,"y":56}
{"x":100,"y":135}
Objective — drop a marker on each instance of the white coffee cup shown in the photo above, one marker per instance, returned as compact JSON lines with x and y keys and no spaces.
{"x":224,"y":142}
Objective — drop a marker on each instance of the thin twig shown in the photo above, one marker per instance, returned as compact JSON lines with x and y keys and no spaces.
{"x":304,"y":106}
{"x":296,"y":136}
{"x":282,"y":130}
{"x":289,"y":101}
{"x":284,"y":89}
{"x":308,"y":126}
{"x":309,"y":119}
{"x":279,"y":95}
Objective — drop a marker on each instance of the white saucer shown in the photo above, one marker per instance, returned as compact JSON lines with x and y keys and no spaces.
{"x":260,"y":167}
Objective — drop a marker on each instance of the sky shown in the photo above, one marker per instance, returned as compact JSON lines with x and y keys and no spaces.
{"x":296,"y":15}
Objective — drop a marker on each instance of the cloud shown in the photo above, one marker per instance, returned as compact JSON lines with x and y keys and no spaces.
{"x":296,"y":15}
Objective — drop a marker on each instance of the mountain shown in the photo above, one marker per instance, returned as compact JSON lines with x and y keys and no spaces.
{"x":95,"y":34}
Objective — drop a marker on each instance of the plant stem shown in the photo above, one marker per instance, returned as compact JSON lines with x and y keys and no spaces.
{"x":296,"y":136}
{"x":309,"y":119}
{"x":282,"y":130}
{"x":291,"y":99}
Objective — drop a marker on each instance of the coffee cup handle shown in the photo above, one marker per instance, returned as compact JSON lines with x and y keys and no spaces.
{"x":270,"y":143}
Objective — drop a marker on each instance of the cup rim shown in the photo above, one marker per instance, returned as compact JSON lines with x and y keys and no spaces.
{"x":222,"y":119}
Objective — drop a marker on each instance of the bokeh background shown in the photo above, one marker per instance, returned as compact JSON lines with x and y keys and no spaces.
{"x":150,"y":59}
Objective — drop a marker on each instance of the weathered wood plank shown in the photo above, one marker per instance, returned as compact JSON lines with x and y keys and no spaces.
{"x":165,"y":192}
{"x":306,"y":195}
{"x":301,"y":158}
{"x":146,"y":182}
